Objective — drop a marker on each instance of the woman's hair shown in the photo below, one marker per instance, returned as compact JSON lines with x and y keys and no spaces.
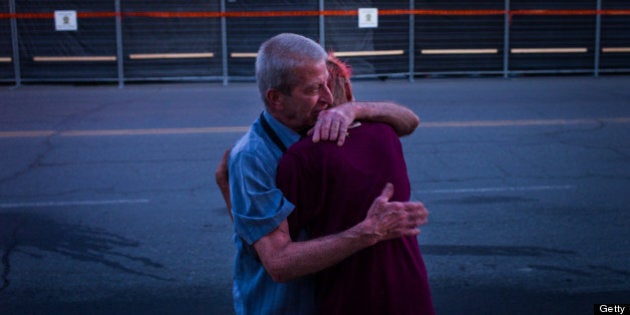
{"x":339,"y":80}
{"x":280,"y":56}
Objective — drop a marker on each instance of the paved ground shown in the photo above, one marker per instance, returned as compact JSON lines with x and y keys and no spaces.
{"x":108,"y":205}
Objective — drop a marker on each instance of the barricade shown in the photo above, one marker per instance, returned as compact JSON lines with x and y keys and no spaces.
{"x":123,"y":41}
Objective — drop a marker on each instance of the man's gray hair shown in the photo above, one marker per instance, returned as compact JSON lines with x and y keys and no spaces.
{"x":279,"y":56}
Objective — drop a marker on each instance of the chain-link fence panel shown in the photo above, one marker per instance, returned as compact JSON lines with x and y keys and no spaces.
{"x":458,"y":36}
{"x":171,"y":39}
{"x":133,"y":40}
{"x":615,"y":37}
{"x":251,"y":22}
{"x":6,"y":46}
{"x":559,"y":39}
{"x":70,"y":40}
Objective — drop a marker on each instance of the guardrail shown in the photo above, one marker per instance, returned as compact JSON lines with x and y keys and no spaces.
{"x":138,"y":41}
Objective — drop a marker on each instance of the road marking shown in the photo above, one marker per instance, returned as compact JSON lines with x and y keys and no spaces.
{"x":120,"y":132}
{"x":496,"y":189}
{"x":524,"y":122}
{"x":47,"y":204}
{"x":239,"y":129}
{"x":156,"y":131}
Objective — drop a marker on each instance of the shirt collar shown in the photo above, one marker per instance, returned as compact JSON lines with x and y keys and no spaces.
{"x":286,"y":134}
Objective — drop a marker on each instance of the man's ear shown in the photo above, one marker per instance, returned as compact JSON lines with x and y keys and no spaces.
{"x":275,"y":99}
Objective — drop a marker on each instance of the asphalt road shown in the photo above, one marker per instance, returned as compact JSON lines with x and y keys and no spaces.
{"x":108,"y":203}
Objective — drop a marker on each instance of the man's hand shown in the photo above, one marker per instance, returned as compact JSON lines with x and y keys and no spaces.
{"x":332,"y":124}
{"x":388,"y":220}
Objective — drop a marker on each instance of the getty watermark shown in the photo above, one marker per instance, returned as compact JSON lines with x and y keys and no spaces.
{"x":612,"y":309}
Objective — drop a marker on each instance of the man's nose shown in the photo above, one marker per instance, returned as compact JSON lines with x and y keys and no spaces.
{"x":326,"y":95}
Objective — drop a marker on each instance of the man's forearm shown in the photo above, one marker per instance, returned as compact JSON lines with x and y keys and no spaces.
{"x":286,"y":260}
{"x":402,"y":119}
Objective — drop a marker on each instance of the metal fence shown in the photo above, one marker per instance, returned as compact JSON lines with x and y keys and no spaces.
{"x":134,"y":40}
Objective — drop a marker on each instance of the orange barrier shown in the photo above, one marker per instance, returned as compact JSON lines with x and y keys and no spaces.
{"x":252,"y":14}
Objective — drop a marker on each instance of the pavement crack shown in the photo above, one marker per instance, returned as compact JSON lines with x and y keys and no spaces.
{"x":6,"y":259}
{"x":37,"y":161}
{"x":47,"y":142}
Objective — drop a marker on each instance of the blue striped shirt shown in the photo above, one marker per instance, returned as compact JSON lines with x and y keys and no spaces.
{"x":258,"y":208}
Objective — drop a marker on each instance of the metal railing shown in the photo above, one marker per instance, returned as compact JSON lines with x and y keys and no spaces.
{"x":135,"y":40}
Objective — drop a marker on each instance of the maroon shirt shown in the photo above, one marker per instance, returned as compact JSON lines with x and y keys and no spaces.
{"x":332,"y":188}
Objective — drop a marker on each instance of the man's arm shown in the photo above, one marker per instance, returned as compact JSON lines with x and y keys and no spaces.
{"x":285,"y":260}
{"x":332,"y":124}
{"x":221,"y":177}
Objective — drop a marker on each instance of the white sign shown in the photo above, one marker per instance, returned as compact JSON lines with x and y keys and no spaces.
{"x":368,"y":17}
{"x":66,"y":20}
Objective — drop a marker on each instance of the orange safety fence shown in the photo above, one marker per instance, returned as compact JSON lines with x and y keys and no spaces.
{"x":252,"y":14}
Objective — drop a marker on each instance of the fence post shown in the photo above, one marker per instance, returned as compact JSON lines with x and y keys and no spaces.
{"x":119,"y":45}
{"x":506,"y":40}
{"x":598,"y":32}
{"x":412,"y":43}
{"x":322,"y":27}
{"x":224,"y":49}
{"x":16,"y":48}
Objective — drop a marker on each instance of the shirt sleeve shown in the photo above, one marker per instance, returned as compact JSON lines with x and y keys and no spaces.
{"x":258,"y":205}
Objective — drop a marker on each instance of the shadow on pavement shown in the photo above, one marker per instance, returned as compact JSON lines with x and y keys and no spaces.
{"x":23,"y":232}
{"x":519,"y":301}
{"x":174,"y":300}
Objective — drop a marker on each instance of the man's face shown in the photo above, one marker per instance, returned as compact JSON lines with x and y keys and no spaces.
{"x":309,"y":96}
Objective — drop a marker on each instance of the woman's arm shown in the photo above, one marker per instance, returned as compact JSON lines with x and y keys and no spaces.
{"x":332,"y":124}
